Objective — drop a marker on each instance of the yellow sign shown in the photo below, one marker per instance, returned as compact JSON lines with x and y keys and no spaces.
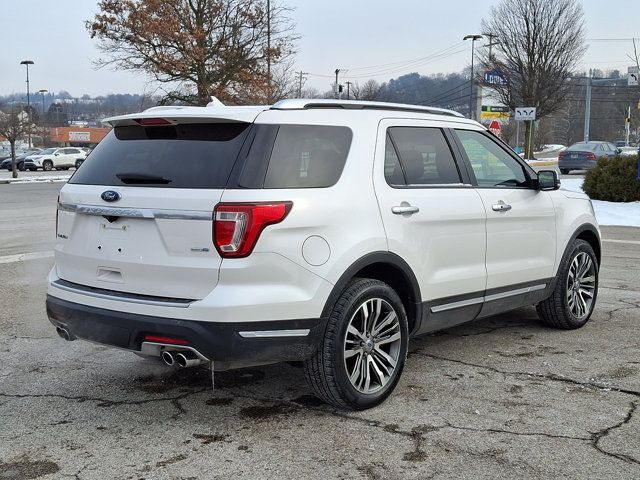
{"x":495,"y":116}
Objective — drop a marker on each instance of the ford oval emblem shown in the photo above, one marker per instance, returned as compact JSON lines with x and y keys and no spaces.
{"x":110,"y":196}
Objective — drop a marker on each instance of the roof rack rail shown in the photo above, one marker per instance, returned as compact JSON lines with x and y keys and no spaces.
{"x":306,"y":104}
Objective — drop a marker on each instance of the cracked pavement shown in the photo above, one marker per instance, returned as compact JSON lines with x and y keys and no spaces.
{"x":503,"y":397}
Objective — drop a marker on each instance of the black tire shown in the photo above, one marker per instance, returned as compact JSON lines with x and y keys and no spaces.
{"x":47,"y":165}
{"x":556,"y":310}
{"x":21,"y":166}
{"x":33,"y":169}
{"x":65,"y":168}
{"x":326,"y":371}
{"x":564,"y":171}
{"x":78,"y":163}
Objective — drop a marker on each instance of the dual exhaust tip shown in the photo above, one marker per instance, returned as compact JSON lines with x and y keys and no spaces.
{"x":183,"y":359}
{"x":65,"y":334}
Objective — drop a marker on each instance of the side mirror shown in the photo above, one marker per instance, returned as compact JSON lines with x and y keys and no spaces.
{"x":618,"y":151}
{"x":548,"y":180}
{"x":56,"y":154}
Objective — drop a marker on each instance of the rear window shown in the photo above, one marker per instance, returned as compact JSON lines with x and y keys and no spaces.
{"x":307,"y":156}
{"x":177,"y":156}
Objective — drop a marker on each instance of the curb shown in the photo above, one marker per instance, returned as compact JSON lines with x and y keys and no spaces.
{"x":4,"y":181}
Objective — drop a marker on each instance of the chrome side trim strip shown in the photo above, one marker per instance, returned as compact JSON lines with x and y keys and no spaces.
{"x":100,"y":210}
{"x":115,"y":298}
{"x":511,"y":293}
{"x":487,"y":298}
{"x":303,"y":332}
{"x":460,"y":304}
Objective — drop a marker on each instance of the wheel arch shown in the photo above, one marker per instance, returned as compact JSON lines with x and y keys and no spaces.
{"x":589,"y":233}
{"x":391,"y":269}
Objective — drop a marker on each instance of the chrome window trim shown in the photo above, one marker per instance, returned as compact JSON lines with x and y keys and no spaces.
{"x":486,"y":298}
{"x":99,"y":210}
{"x":303,"y":332}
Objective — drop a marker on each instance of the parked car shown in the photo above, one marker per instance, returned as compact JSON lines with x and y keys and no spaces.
{"x":58,"y":158}
{"x":584,"y":155}
{"x":6,"y":163}
{"x":322,"y":231}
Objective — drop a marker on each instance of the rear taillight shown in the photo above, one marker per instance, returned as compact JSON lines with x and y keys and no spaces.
{"x":591,"y":156}
{"x":561,"y":155}
{"x":237,"y":226}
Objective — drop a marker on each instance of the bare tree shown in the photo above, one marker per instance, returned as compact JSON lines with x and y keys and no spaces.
{"x":370,"y":90}
{"x":197,"y":48}
{"x":13,"y":126}
{"x":539,"y":43}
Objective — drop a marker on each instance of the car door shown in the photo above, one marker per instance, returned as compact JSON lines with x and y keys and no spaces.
{"x":521,"y":224}
{"x":433,"y":218}
{"x":58,"y":158}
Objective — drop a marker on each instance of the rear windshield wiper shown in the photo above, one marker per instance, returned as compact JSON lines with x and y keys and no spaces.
{"x":142,"y":178}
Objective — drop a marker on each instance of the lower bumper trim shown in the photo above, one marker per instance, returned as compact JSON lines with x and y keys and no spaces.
{"x":216,"y":341}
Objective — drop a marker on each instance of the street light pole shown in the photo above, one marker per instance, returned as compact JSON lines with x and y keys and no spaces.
{"x":44,"y":129}
{"x":335,"y":92}
{"x":27,"y":63}
{"x":473,"y":39}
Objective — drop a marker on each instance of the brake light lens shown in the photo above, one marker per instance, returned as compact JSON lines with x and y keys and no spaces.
{"x":57,"y":210}
{"x":237,"y":226}
{"x":167,"y":340}
{"x":591,"y":156}
{"x":561,"y":155}
{"x":147,"y":122}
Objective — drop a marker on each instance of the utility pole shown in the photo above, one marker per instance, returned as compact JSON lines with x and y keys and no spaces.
{"x":335,"y":90}
{"x":491,"y":43}
{"x":473,"y":39}
{"x":301,"y":77}
{"x":587,"y":108}
{"x":627,"y":122}
{"x":348,"y":89}
{"x":269,"y":52}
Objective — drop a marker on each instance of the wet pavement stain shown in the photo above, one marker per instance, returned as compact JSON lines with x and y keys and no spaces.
{"x":260,"y":412}
{"x":25,"y":469}
{"x":219,"y":401}
{"x":207,"y":439}
{"x":309,"y":401}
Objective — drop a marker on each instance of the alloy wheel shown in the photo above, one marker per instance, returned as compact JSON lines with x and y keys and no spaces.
{"x":581,"y":285}
{"x":372,"y":345}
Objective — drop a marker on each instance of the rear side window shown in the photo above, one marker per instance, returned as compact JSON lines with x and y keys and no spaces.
{"x":177,"y":156}
{"x":419,"y":156}
{"x":307,"y":156}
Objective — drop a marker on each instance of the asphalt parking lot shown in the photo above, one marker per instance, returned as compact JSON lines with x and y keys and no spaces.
{"x":504,"y":397}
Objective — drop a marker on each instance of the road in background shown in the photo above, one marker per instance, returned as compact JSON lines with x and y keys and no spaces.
{"x":503,"y":397}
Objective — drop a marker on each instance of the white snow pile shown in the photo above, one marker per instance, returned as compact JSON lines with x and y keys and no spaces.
{"x":553,"y":146}
{"x":608,"y":213}
{"x":60,"y":178}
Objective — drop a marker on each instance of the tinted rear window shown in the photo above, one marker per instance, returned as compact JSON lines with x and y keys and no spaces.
{"x":301,"y":156}
{"x":181,"y":156}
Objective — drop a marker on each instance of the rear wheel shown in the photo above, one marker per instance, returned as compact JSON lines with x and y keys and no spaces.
{"x":363,"y":352}
{"x":564,"y":171}
{"x":78,"y":163}
{"x":47,"y":165}
{"x":574,"y":297}
{"x":21,"y":166}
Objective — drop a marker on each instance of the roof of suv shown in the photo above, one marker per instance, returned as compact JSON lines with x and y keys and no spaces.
{"x":216,"y":112}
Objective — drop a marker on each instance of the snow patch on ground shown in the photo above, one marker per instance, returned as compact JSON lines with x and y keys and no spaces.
{"x":608,"y":213}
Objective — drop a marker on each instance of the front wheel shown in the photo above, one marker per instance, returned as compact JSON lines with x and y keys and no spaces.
{"x":574,"y":297}
{"x":78,"y":163}
{"x":564,"y":171}
{"x":47,"y":165}
{"x":361,"y":357}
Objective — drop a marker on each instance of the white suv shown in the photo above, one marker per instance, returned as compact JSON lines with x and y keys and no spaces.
{"x":319,"y":231}
{"x":58,"y":158}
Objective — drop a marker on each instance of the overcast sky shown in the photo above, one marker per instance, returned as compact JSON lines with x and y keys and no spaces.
{"x":349,"y":34}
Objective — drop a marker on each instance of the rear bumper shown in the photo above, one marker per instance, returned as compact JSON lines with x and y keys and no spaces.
{"x":217,"y":341}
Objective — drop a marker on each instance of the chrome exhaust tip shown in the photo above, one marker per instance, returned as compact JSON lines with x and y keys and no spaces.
{"x":187,"y":359}
{"x":65,"y":334}
{"x":168,"y":358}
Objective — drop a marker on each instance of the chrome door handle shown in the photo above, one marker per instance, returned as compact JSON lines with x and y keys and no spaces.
{"x":405,"y":210}
{"x":501,"y":207}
